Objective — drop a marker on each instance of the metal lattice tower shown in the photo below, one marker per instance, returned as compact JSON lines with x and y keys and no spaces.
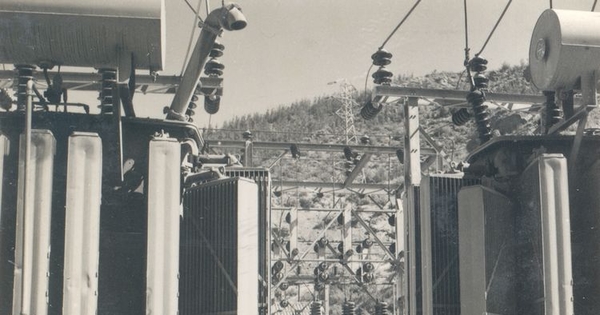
{"x":347,"y":90}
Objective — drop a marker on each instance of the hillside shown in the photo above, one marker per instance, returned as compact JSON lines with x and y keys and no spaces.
{"x":315,"y":121}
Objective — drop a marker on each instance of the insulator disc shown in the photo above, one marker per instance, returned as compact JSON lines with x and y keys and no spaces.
{"x":211,"y":106}
{"x":478,"y":64}
{"x":461,"y":117}
{"x":480,"y":81}
{"x":369,"y":111}
{"x":382,"y":76}
{"x":323,"y":276}
{"x":381,"y":58}
{"x":316,"y":307}
{"x":288,"y":218}
{"x":475,"y":96}
{"x":323,"y":266}
{"x":368,"y":267}
{"x":392,"y":220}
{"x":348,"y":153}
{"x":323,"y":241}
{"x":349,"y":308}
{"x":214,"y":67}
{"x":381,"y":308}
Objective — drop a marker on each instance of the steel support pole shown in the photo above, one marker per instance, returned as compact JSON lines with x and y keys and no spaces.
{"x":412,"y":180}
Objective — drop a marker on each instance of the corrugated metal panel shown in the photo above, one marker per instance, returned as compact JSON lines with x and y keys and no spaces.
{"x":262,"y":177}
{"x":82,"y":224}
{"x":438,"y":270}
{"x":39,"y":30}
{"x":544,"y":239}
{"x":487,"y":252}
{"x":219,"y":238}
{"x":32,"y":250}
{"x":163,"y":226}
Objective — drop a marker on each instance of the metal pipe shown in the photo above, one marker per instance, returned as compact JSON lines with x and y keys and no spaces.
{"x":27,"y":255}
{"x":227,"y":17}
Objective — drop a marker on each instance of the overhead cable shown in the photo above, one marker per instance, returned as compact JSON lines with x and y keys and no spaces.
{"x":494,"y":29}
{"x":400,"y":24}
{"x":189,"y":48}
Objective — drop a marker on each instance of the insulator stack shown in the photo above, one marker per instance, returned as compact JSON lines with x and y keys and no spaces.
{"x":217,"y":50}
{"x":214,"y":68}
{"x":348,"y":308}
{"x":553,"y":112}
{"x":24,"y":74}
{"x":477,"y":98}
{"x":316,"y":308}
{"x":212,"y":103}
{"x":381,"y":308}
{"x":369,"y":111}
{"x":461,"y":117}
{"x":382,"y":58}
{"x":191,"y":107}
{"x":108,"y":82}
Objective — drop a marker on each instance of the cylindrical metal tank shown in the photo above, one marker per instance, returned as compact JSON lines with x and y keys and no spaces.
{"x":564,"y":46}
{"x":82,"y":33}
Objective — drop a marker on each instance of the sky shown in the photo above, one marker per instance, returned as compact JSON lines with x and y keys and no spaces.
{"x":294,"y":49}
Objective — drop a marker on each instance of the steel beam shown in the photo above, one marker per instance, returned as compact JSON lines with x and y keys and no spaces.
{"x":268,"y":145}
{"x":357,"y":169}
{"x":399,"y":91}
{"x":90,"y":81}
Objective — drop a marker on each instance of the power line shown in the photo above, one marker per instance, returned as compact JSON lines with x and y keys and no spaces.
{"x":495,"y":26}
{"x":400,"y":24}
{"x":390,"y":36}
{"x":189,"y":48}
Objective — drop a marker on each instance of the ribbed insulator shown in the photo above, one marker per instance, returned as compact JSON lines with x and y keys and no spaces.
{"x":476,"y":99}
{"x":316,"y":308}
{"x":24,"y":74}
{"x":212,"y":104}
{"x":478,"y":64}
{"x":217,"y":50}
{"x":461,"y":117}
{"x":323,"y":241}
{"x":381,"y":58}
{"x":348,"y":308}
{"x":382,"y":76}
{"x":262,"y":310}
{"x":277,"y":266}
{"x":369,"y":111}
{"x":392,"y":220}
{"x":214,"y":68}
{"x":108,"y":82}
{"x":381,"y":308}
{"x":553,"y":112}
{"x":480,"y":81}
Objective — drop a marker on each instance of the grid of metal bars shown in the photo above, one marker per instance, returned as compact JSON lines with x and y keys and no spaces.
{"x":442,"y":191}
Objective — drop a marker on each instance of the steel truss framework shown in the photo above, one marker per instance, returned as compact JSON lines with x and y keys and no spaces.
{"x":344,"y":226}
